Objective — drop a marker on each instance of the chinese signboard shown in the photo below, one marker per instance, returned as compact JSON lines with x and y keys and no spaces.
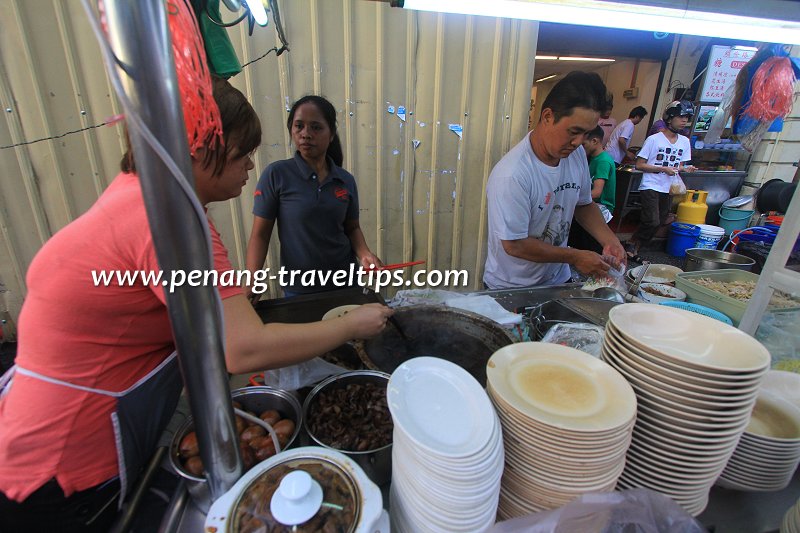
{"x":724,"y":64}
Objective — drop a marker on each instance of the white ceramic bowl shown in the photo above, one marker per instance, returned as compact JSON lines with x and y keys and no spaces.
{"x":663,"y":293}
{"x":657,"y":273}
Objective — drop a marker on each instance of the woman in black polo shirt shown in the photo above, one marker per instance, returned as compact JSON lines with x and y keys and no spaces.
{"x":315,"y":202}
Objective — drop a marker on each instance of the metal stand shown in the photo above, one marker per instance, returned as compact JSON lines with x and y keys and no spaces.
{"x":775,"y":275}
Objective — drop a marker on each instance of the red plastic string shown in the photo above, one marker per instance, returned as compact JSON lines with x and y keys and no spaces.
{"x":772,"y":90}
{"x":200,"y":112}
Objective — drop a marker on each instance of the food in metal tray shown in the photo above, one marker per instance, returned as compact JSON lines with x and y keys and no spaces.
{"x":254,"y":443}
{"x":743,"y":291}
{"x":354,"y":418}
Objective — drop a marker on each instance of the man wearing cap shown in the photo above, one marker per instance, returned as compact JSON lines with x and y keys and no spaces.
{"x":663,"y":155}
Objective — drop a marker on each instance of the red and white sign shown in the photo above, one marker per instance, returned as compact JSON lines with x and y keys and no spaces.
{"x":724,"y":64}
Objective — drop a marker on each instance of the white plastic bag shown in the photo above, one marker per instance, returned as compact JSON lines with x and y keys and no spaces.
{"x":676,"y":185}
{"x":301,"y":375}
{"x":628,"y":511}
{"x":584,"y":337}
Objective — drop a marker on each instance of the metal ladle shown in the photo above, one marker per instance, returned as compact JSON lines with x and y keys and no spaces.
{"x":608,"y":293}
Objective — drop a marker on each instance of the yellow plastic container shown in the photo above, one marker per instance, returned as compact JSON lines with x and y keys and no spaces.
{"x":693,"y":208}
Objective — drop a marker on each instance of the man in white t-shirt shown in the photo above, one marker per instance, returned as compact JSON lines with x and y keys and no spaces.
{"x":536,"y":188}
{"x":607,"y":123}
{"x":663,"y":155}
{"x":617,"y":144}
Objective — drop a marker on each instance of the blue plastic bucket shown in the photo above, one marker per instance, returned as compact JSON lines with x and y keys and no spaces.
{"x":681,"y":236}
{"x":734,"y":219}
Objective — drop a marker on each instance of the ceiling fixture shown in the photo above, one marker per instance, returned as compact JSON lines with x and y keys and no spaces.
{"x":623,"y":16}
{"x":257,"y":10}
{"x":547,"y":58}
{"x":571,"y":58}
{"x":546,"y":78}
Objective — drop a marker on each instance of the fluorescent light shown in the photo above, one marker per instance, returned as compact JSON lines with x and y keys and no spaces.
{"x":571,"y":58}
{"x":547,"y":58}
{"x":624,"y":16}
{"x":546,"y":78}
{"x":749,"y":48}
{"x":258,"y":11}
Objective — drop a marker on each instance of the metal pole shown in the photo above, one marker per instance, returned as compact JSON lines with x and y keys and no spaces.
{"x":139,"y":36}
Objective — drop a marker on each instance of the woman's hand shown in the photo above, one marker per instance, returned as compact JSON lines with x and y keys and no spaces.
{"x":253,"y":297}
{"x":370,"y":261}
{"x":366,"y":321}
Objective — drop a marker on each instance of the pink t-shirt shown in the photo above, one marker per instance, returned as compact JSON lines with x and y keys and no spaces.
{"x":100,"y":337}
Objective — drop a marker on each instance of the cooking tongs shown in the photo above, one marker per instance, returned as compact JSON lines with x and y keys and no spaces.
{"x":633,"y":292}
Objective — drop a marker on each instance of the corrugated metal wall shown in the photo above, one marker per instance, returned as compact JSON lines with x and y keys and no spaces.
{"x":424,"y":203}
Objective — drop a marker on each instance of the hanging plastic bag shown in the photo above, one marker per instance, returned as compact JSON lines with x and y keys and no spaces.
{"x":628,"y":511}
{"x":676,"y":185}
{"x":614,"y":278}
{"x":301,"y":375}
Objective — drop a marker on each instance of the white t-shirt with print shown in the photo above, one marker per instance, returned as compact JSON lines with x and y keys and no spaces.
{"x":660,"y":152}
{"x":527,"y":198}
{"x":625,"y":131}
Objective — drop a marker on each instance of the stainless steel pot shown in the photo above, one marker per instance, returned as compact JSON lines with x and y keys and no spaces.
{"x":462,"y":337}
{"x":705,"y":259}
{"x":254,"y":399}
{"x":377,"y":463}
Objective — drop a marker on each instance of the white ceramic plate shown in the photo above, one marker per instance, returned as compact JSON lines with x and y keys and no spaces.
{"x":561,"y":386}
{"x":663,"y":293}
{"x":690,"y":338}
{"x":784,"y":384}
{"x":657,"y":273}
{"x":775,"y":418}
{"x":338,"y":312}
{"x":440,"y":407}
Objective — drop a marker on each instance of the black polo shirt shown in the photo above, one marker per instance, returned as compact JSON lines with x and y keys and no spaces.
{"x":310,"y":216}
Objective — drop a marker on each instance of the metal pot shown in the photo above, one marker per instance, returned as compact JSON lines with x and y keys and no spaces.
{"x":462,"y":337}
{"x":255,"y":399}
{"x":377,"y":463}
{"x":705,"y":259}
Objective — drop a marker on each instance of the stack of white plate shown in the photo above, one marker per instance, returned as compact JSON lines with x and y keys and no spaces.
{"x":769,"y":451}
{"x":791,"y":520}
{"x":696,"y":381}
{"x":447,"y":452}
{"x":567,"y":419}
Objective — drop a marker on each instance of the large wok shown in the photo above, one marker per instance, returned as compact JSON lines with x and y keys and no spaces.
{"x":462,"y":337}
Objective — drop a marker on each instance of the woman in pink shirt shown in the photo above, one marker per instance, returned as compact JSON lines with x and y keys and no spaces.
{"x":86,"y":353}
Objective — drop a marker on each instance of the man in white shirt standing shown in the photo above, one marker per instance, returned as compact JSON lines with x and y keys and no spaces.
{"x":617,"y":144}
{"x":536,"y":188}
{"x":664,"y":155}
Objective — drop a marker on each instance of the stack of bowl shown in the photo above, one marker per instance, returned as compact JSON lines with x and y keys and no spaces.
{"x":791,"y":520}
{"x":696,"y":381}
{"x":769,"y":451}
{"x":448,"y":449}
{"x":567,"y":419}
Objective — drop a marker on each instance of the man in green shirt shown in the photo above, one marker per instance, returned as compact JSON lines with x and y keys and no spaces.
{"x":602,"y":169}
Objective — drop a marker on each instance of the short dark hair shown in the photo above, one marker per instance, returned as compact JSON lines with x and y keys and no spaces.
{"x":241,"y":129}
{"x":577,"y":89}
{"x":596,"y":133}
{"x":638,"y":111}
{"x":329,"y":114}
